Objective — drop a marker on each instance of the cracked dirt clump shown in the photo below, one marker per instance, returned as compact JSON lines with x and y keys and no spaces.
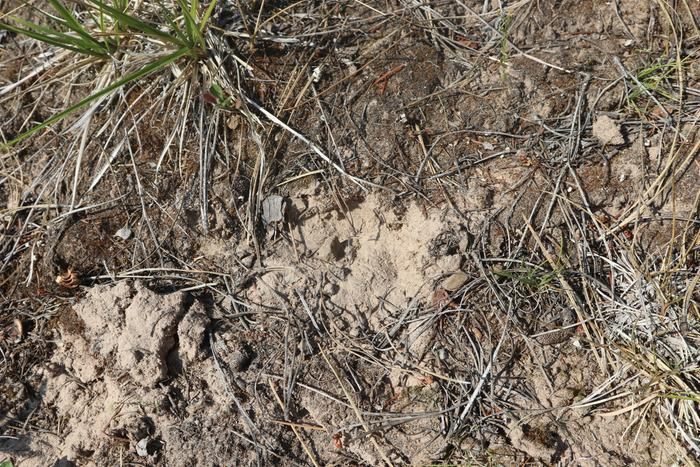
{"x":607,"y":131}
{"x":136,"y":334}
{"x":106,"y":379}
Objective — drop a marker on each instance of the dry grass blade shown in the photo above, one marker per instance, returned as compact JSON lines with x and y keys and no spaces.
{"x":294,"y":427}
{"x":355,"y":409}
{"x":431,"y":243}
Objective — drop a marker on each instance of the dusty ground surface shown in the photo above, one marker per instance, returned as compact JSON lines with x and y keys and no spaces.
{"x":512,"y":277}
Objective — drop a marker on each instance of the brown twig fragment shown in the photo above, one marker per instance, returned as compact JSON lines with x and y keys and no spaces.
{"x":383,"y":80}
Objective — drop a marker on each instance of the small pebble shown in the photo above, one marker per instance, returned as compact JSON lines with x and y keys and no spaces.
{"x":124,"y":233}
{"x":142,"y":447}
{"x":455,"y":281}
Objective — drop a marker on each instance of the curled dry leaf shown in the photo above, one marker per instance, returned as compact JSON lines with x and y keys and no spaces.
{"x":273,"y":209}
{"x":338,"y":440}
{"x":440,"y":298}
{"x":427,"y":380}
{"x":13,"y":332}
{"x":69,"y":279}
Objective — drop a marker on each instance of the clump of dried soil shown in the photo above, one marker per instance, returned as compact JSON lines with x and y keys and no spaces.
{"x":430,"y":103}
{"x":106,"y":382}
{"x":164,"y":378}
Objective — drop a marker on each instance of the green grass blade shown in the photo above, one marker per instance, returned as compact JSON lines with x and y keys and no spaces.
{"x":75,"y":25}
{"x":171,"y":19}
{"x":146,"y":70}
{"x":54,"y":38}
{"x":207,"y":15}
{"x":137,"y":24}
{"x":50,"y":32}
{"x":193,"y":33}
{"x":122,"y":6}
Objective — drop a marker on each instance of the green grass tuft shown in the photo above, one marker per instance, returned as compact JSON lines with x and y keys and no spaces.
{"x":97,"y":30}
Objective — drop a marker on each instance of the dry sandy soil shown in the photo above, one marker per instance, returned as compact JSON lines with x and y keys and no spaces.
{"x":499,"y":267}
